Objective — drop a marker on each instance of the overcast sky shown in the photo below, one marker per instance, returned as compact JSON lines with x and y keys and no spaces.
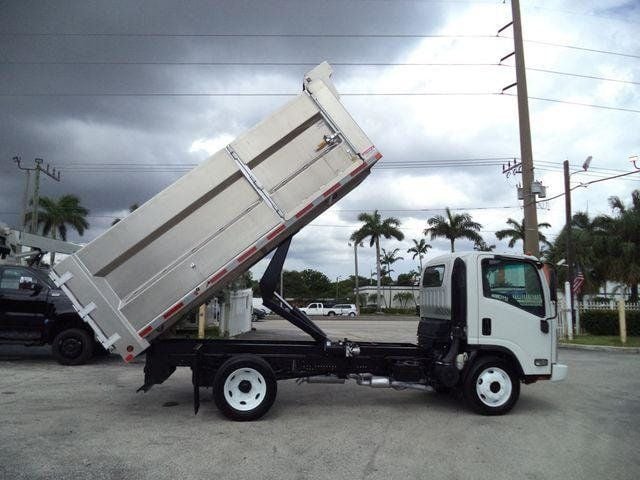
{"x":116,"y":150}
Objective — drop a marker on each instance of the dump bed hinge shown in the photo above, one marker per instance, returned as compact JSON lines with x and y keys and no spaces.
{"x":255,"y":183}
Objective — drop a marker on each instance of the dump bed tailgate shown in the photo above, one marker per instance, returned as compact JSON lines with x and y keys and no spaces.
{"x":194,"y":237}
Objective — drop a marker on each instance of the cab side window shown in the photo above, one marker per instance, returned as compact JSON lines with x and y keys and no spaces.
{"x":433,"y":276}
{"x":514,"y":282}
{"x":10,"y":278}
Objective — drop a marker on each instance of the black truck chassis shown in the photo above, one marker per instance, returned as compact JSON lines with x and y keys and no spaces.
{"x":214,"y":363}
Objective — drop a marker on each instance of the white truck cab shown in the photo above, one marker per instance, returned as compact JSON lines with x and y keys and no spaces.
{"x":503,"y":306}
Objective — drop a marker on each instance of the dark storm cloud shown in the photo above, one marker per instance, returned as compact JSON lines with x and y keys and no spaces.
{"x":91,"y":130}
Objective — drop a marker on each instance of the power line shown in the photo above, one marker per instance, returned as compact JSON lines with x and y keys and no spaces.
{"x":305,"y":64}
{"x":584,"y":49}
{"x":236,"y":94}
{"x":300,"y":35}
{"x":252,"y":64}
{"x":579,"y":75}
{"x":239,"y":35}
{"x":569,"y":102}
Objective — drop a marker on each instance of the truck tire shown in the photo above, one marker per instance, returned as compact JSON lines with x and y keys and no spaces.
{"x":73,"y":346}
{"x":491,"y":387}
{"x":331,"y":314}
{"x":244,"y":388}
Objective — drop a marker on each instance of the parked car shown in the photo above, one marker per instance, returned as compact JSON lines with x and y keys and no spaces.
{"x":34,"y":312}
{"x":258,"y":314}
{"x":323,"y":309}
{"x":343,"y":309}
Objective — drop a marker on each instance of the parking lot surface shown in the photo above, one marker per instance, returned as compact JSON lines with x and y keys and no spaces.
{"x":61,"y":422}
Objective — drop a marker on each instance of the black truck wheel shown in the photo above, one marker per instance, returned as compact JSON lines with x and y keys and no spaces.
{"x":73,"y":346}
{"x":491,"y":387}
{"x":244,"y":388}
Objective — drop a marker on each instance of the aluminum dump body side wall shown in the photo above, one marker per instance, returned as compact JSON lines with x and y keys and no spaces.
{"x":135,"y":280}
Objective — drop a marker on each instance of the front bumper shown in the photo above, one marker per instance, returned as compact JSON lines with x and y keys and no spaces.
{"x":559,"y":372}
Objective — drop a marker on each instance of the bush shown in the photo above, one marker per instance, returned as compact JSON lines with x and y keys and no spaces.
{"x":605,"y":322}
{"x":388,"y":311}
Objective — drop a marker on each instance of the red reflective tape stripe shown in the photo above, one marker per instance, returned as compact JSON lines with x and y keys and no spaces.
{"x":273,"y":234}
{"x":173,"y":310}
{"x":378,"y":156}
{"x":304,"y":210}
{"x":367,"y":150}
{"x":217,"y":276}
{"x":359,"y":169}
{"x":145,"y":331}
{"x":247,"y":254}
{"x":332,"y":189}
{"x":128,"y":358}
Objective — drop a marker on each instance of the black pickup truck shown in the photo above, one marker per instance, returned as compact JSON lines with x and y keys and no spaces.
{"x":34,"y":312}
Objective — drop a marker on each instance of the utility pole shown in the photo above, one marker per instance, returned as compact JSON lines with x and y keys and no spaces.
{"x":35,"y":199}
{"x":531,"y":238}
{"x":567,"y":204}
{"x":25,"y":195}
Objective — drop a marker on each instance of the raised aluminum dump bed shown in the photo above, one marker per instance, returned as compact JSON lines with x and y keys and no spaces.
{"x":194,"y":237}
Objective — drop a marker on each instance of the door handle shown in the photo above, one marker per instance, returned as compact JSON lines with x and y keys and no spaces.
{"x":544,"y":325}
{"x":486,"y":326}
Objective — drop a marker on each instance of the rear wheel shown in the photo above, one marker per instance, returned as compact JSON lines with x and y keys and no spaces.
{"x":331,"y":314}
{"x":73,"y":346}
{"x":352,"y":314}
{"x":491,"y":388}
{"x":245,"y":388}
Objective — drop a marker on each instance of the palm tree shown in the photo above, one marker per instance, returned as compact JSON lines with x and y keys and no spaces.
{"x":375,"y":227}
{"x":419,"y":250}
{"x":389,"y":258}
{"x":482,"y":246}
{"x":54,"y":216}
{"x":516,"y":232}
{"x":624,"y":242}
{"x":453,"y":227}
{"x":132,"y":208}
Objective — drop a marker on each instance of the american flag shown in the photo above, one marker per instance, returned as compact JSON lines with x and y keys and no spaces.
{"x":578,"y":282}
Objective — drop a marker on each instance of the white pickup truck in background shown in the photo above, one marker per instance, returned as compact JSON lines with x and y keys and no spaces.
{"x":338,"y":309}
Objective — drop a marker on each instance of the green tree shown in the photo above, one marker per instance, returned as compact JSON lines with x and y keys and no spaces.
{"x":590,"y":250}
{"x":623,"y":240}
{"x":407,"y":279}
{"x":56,"y":215}
{"x":419,"y":250}
{"x":453,"y":226}
{"x":482,"y":246}
{"x":388,"y":259}
{"x":516,"y":233}
{"x":403,"y":298}
{"x":374,"y":228}
{"x":316,"y":283}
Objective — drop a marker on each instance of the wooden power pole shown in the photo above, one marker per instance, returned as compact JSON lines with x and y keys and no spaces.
{"x":531,"y":238}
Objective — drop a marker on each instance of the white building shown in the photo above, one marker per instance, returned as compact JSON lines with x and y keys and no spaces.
{"x":390,"y":298}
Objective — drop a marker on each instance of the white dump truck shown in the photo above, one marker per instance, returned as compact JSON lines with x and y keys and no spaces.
{"x":174,"y":252}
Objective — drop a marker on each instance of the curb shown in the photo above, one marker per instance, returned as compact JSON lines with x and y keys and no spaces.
{"x":599,"y":348}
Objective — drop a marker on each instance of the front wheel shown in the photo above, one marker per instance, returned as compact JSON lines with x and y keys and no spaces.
{"x":244,"y":388}
{"x":491,"y":388}
{"x":73,"y":346}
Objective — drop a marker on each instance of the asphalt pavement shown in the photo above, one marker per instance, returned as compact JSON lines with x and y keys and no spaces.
{"x":88,"y":422}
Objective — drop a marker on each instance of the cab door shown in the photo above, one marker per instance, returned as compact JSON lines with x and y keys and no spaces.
{"x":23,"y":304}
{"x":512,"y":311}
